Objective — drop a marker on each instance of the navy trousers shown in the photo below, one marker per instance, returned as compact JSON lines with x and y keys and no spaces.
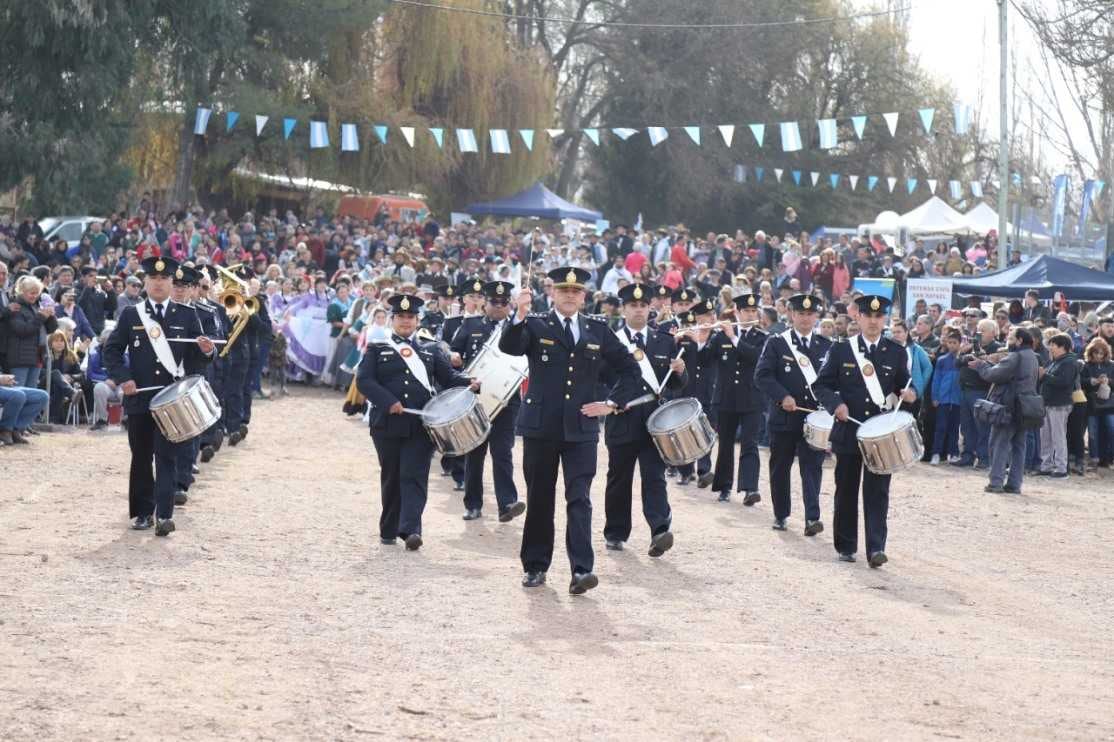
{"x":540,"y":459}
{"x":747,"y":423}
{"x":403,"y":482}
{"x":849,"y":474}
{"x":501,"y":444}
{"x":621,"y":460}
{"x":151,"y":493}
{"x":784,"y":447}
{"x":235,"y":381}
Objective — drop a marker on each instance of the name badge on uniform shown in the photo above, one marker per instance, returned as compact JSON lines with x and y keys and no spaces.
{"x":546,"y":341}
{"x":592,"y":346}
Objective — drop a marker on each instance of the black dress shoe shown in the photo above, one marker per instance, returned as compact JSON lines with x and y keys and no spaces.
{"x":243,"y":431}
{"x":779,"y":524}
{"x":195,"y":468}
{"x":472,"y":514}
{"x":387,"y":541}
{"x":725,"y":496}
{"x":993,"y":489}
{"x":813,"y":527}
{"x":705,"y":480}
{"x":458,"y":486}
{"x":613,"y":544}
{"x":17,"y":437}
{"x":1011,"y":490}
{"x":661,"y":543}
{"x":877,"y":559}
{"x":582,"y":582}
{"x":846,"y":557}
{"x":142,"y":523}
{"x":414,"y":542}
{"x":686,"y":479}
{"x":164,"y":527}
{"x":181,"y":498}
{"x":533,"y":579}
{"x":235,"y":438}
{"x":218,"y":443}
{"x":1058,"y":474}
{"x":751,"y":498}
{"x":512,"y":511}
{"x":207,"y":454}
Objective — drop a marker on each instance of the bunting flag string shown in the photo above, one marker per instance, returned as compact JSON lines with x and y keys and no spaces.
{"x":500,"y":142}
{"x":955,"y":187}
{"x":891,"y":122}
{"x":790,"y":136}
{"x":759,"y":132}
{"x":694,"y":134}
{"x":828,"y":136}
{"x":859,"y":123}
{"x":527,"y":138}
{"x":288,"y":127}
{"x":927,"y":114}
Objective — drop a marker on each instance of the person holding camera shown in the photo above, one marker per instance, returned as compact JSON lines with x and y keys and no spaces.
{"x":976,"y":434}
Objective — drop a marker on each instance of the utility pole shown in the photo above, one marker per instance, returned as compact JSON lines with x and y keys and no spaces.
{"x":1003,"y":137}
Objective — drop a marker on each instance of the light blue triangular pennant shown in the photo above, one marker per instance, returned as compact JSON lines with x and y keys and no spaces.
{"x":288,"y":127}
{"x":657,"y":134}
{"x":859,"y":124}
{"x":201,"y":123}
{"x":694,"y":134}
{"x":834,"y":180}
{"x":759,"y":132}
{"x":230,"y":120}
{"x":758,"y":173}
{"x":926,"y":118}
{"x":797,"y":177}
{"x":527,"y":138}
{"x":871,"y":181}
{"x":381,"y":132}
{"x":624,"y":133}
{"x":438,"y":136}
{"x":594,"y":135}
{"x":740,"y":175}
{"x":911,"y":184}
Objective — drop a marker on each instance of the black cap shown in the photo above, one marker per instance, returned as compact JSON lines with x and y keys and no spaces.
{"x":610,"y":300}
{"x":405,"y":304}
{"x":244,"y":272}
{"x":686,"y":294}
{"x":186,"y":276}
{"x":746,"y":301}
{"x":704,"y":306}
{"x":663,"y":292}
{"x":448,"y":291}
{"x":873,"y":304}
{"x":687,"y":318}
{"x":636,"y":292}
{"x":498,"y":290}
{"x":568,"y":277}
{"x":474,"y":285}
{"x":88,"y":271}
{"x":158,"y":266}
{"x":804,"y":303}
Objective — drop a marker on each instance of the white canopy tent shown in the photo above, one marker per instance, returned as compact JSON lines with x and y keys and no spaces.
{"x":983,"y":218}
{"x":934,"y":216}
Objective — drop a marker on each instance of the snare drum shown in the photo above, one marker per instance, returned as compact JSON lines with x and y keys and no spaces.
{"x":890,"y":443}
{"x":818,"y":430}
{"x":185,"y":409}
{"x":456,"y":421}
{"x":681,"y":431}
{"x":502,"y":376}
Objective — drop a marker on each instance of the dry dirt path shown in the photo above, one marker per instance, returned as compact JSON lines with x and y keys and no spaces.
{"x":274,"y":613}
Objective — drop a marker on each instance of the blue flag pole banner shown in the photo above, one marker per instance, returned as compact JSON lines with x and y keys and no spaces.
{"x":466,"y":140}
{"x":790,"y":136}
{"x":500,"y":142}
{"x":381,"y":133}
{"x":728,"y":133}
{"x":927,"y":114}
{"x":759,"y":132}
{"x":828,"y":136}
{"x":859,"y":124}
{"x":318,"y":135}
{"x":883,"y":287}
{"x":694,"y":134}
{"x":891,"y":122}
{"x":871,"y":181}
{"x":288,"y":127}
{"x":976,"y":189}
{"x":624,"y":133}
{"x":230,"y":120}
{"x":438,"y":136}
{"x":962,"y":113}
{"x":955,"y":189}
{"x":201,"y":123}
{"x":593,"y":135}
{"x":657,"y":134}
{"x":349,"y":138}
{"x":1084,"y":207}
{"x":758,"y":173}
{"x":1059,"y":204}
{"x":407,"y":134}
{"x":260,"y":122}
{"x":527,"y":138}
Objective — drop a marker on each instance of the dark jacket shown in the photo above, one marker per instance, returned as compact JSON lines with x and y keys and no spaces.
{"x":969,"y":377}
{"x":735,"y":389}
{"x":23,"y":330}
{"x":84,"y":329}
{"x":1015,"y":374}
{"x":1059,"y":381}
{"x":97,"y":305}
{"x":1089,"y":381}
{"x":779,"y":375}
{"x":630,"y":426}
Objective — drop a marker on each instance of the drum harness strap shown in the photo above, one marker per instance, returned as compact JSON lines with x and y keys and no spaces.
{"x":803,"y":361}
{"x":158,"y":340}
{"x":869,"y":373}
{"x":413,"y":362}
{"x":643,"y":360}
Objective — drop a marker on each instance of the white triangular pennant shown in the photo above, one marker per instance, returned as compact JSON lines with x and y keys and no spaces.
{"x":657,"y":134}
{"x":932,"y":185}
{"x":778,"y":172}
{"x":694,"y":134}
{"x":854,"y":179}
{"x":759,"y":132}
{"x":891,"y":182}
{"x":554,"y":133}
{"x":407,"y":134}
{"x":815,"y":178}
{"x":260,"y":122}
{"x":728,"y":133}
{"x":891,"y":122}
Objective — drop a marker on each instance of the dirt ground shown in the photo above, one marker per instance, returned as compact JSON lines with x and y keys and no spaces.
{"x":274,"y":613}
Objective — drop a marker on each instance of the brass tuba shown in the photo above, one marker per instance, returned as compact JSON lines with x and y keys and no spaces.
{"x":240,"y":307}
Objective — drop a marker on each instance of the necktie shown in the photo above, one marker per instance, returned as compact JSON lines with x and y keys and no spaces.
{"x":870,"y":349}
{"x":639,"y":341}
{"x":158,"y":313}
{"x":568,"y":332}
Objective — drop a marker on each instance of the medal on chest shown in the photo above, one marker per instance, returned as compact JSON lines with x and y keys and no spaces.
{"x":868,"y":369}
{"x":406,"y":352}
{"x":155,"y":332}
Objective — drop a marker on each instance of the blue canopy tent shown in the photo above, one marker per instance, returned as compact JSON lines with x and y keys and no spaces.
{"x":537,"y":201}
{"x":1044,"y":274}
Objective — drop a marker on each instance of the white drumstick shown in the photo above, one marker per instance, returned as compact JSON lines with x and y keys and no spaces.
{"x":666,"y":379}
{"x":419,"y":413}
{"x":191,"y":340}
{"x":150,"y":388}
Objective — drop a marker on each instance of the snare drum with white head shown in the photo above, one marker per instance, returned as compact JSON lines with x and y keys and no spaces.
{"x":818,"y":430}
{"x":890,"y":443}
{"x":456,"y":421}
{"x":681,"y":431}
{"x":185,"y":409}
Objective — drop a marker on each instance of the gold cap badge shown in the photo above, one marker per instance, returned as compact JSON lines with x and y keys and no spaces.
{"x":571,"y":277}
{"x":179,"y":274}
{"x":404,"y":304}
{"x":477,"y":287}
{"x":807,"y":303}
{"x":637,"y":292}
{"x":159,"y":265}
{"x":500,"y":290}
{"x":875,"y":304}
{"x":750,"y":301}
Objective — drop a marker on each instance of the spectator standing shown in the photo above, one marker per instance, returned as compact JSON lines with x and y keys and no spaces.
{"x":27,"y":323}
{"x":947,"y":399}
{"x":976,"y":434}
{"x":1057,"y":381}
{"x":1095,"y":377}
{"x":1014,"y":375}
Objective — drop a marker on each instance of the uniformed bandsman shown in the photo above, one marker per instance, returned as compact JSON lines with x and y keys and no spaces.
{"x":474,"y":334}
{"x":558,"y":422}
{"x":142,"y":332}
{"x":681,"y":301}
{"x":236,"y":364}
{"x":738,"y":403}
{"x":700,"y":360}
{"x":854,"y":382}
{"x":659,"y":306}
{"x":473,"y":294}
{"x":626,"y":436}
{"x":434,"y":317}
{"x":394,"y":375}
{"x":214,"y":320}
{"x":181,"y":293}
{"x":786,"y":372}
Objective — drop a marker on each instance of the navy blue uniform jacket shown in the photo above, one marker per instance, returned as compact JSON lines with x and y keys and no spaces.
{"x":779,"y":375}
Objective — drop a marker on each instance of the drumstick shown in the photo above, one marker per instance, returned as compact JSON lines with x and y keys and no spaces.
{"x":641,"y":401}
{"x":419,"y":413}
{"x":661,"y":388}
{"x":191,"y":340}
{"x":150,"y":388}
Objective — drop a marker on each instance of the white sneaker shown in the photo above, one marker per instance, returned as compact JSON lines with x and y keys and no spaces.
{"x":953,"y":458}
{"x":935,"y":459}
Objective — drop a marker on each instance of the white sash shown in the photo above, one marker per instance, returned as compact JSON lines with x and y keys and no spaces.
{"x":803,"y":361}
{"x":413,"y":362}
{"x":157,"y":336}
{"x":873,"y":388}
{"x":643,"y":360}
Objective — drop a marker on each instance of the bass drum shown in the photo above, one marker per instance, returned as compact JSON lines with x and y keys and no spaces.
{"x":681,"y":432}
{"x":185,"y":409}
{"x":456,"y":421}
{"x":890,"y":443}
{"x":502,"y":376}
